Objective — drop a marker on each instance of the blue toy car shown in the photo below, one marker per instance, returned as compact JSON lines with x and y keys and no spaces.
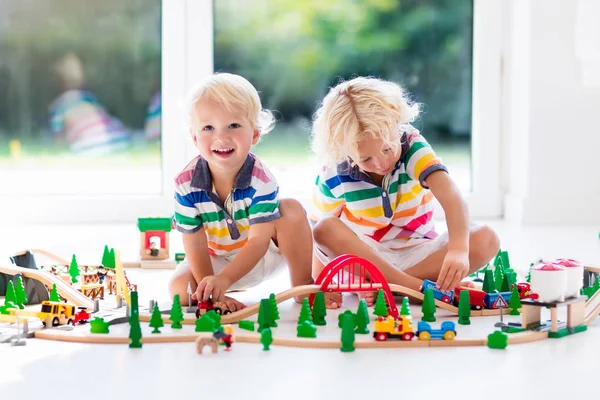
{"x":445,"y":296}
{"x":446,"y":332}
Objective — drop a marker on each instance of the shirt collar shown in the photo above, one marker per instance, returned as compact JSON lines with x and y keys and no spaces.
{"x":354,"y":172}
{"x":201,"y":178}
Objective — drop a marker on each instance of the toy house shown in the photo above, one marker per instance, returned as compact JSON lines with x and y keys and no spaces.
{"x":154,"y":238}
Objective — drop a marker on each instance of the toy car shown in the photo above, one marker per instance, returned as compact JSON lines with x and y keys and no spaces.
{"x":447,"y":331}
{"x":445,"y":296}
{"x":218,"y":307}
{"x":82,"y":316}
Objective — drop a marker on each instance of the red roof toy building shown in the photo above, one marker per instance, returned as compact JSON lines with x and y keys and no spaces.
{"x":548,"y":266}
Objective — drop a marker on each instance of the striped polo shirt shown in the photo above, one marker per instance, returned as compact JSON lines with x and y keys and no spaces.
{"x":398,"y":214}
{"x":254,"y":198}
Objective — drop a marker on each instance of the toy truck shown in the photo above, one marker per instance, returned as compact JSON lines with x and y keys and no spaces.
{"x":391,"y":328}
{"x":57,"y":313}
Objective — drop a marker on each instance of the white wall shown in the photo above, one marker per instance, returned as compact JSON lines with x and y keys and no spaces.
{"x":551,"y":113}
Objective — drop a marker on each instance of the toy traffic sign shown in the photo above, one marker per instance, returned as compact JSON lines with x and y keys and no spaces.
{"x":500,"y":303}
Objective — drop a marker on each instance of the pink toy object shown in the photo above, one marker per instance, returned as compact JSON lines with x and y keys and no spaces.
{"x":574,"y":275}
{"x":549,"y":282}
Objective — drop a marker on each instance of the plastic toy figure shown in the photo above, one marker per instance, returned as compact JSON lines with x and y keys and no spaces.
{"x":153,"y":250}
{"x":225,"y":335}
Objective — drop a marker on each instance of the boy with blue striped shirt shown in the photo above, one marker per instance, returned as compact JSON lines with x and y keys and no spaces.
{"x":236,"y":230}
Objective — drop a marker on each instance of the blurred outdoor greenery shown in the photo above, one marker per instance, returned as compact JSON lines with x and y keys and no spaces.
{"x":292,"y":51}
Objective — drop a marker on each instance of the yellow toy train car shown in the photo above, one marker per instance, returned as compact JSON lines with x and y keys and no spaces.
{"x":57,"y":313}
{"x":393,"y":328}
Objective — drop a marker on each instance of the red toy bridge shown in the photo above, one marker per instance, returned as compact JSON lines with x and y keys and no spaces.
{"x":348,"y":273}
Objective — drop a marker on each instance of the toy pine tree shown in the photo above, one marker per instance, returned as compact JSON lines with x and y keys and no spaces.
{"x":110,"y":260}
{"x":362,"y":318}
{"x":319,"y":311}
{"x":74,"y":269}
{"x":156,"y":320}
{"x":505,"y":284}
{"x":10,"y":299}
{"x":464,"y":308}
{"x":306,"y":329}
{"x":505,"y":260}
{"x":176,"y":313}
{"x":215,"y":317}
{"x":347,"y":333}
{"x":428,"y":307}
{"x":205,"y":324}
{"x":499,"y":276}
{"x":265,"y":319}
{"x":98,"y":325}
{"x":21,"y":295}
{"x":488,"y":282}
{"x":54,"y":293}
{"x":274,"y":309}
{"x":381,"y":308}
{"x":135,"y":330}
{"x":405,"y":310}
{"x":305,"y":312}
{"x":266,"y":338}
{"x":105,"y":256}
{"x":515,"y":302}
{"x":498,"y":258}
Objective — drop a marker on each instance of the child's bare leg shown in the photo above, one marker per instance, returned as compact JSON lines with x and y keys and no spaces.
{"x":483,"y":245}
{"x":179,"y":283}
{"x":332,"y":299}
{"x":334,"y":237}
{"x":294,"y":239}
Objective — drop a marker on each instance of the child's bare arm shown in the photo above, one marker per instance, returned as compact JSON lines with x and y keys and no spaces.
{"x":456,"y":263}
{"x":196,"y":251}
{"x":259,"y":238}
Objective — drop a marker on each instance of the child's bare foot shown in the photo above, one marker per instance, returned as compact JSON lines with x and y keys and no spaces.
{"x":368,"y":296}
{"x":333,"y":300}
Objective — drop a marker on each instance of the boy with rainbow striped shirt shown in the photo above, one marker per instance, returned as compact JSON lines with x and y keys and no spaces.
{"x":236,"y":230}
{"x":374,"y":196}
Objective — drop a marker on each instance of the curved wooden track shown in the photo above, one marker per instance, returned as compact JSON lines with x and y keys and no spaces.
{"x":64,"y":289}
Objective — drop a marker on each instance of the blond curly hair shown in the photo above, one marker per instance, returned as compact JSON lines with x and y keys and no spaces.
{"x":233,"y":92}
{"x":356,"y":109}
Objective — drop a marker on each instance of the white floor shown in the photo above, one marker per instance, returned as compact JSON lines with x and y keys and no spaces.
{"x":544,"y":369}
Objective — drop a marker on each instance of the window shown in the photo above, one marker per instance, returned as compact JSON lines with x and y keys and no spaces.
{"x":294,"y":51}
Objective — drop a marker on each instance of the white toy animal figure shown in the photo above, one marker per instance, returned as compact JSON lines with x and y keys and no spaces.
{"x":549,"y":281}
{"x":574,"y":275}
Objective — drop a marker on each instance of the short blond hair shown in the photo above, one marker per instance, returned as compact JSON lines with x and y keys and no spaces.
{"x":233,"y":92}
{"x":356,"y":109}
{"x":70,"y":71}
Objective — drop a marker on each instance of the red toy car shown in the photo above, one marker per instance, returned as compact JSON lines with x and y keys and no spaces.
{"x":206,"y":306}
{"x":524,"y":290}
{"x":476,"y":297}
{"x":82,"y":316}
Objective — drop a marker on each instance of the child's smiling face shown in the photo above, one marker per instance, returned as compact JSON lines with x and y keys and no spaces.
{"x":223,"y":137}
{"x":375,"y":156}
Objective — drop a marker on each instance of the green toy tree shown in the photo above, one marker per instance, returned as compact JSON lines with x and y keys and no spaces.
{"x":205,"y":324}
{"x":362,"y":318}
{"x":54,"y":293}
{"x":105,"y":256}
{"x":405,"y":310}
{"x":265,"y":319}
{"x":305,"y":312}
{"x":428,"y":306}
{"x":176,"y":313}
{"x":10,"y":298}
{"x":498,"y":276}
{"x":515,"y":302}
{"x":347,"y":333}
{"x":306,"y":329}
{"x":464,"y":308}
{"x":98,"y":325}
{"x":215,"y":317}
{"x":505,"y":261}
{"x":266,"y":338}
{"x":381,"y":308}
{"x":21,"y":294}
{"x":498,"y":258}
{"x":74,"y":269}
{"x":497,"y":340}
{"x":274,"y":309}
{"x":135,"y":330}
{"x":319,"y":311}
{"x":488,"y":282}
{"x":156,"y":320}
{"x":505,"y":284}
{"x":341,"y":318}
{"x":528,"y":277}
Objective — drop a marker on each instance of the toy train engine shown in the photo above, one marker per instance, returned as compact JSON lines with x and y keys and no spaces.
{"x":218,"y":307}
{"x":393,"y":328}
{"x":445,"y":296}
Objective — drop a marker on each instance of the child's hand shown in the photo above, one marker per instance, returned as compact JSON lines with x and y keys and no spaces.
{"x":215,"y":285}
{"x":454,"y":269}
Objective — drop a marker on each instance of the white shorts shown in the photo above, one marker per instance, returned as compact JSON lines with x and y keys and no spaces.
{"x":268,"y":266}
{"x":401,"y":259}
